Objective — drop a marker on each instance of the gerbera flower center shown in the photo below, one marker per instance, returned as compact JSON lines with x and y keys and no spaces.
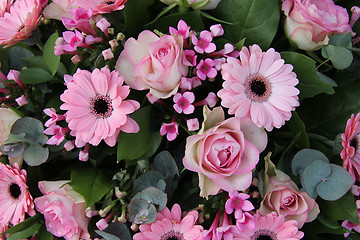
{"x":257,"y":88}
{"x":354,"y":143}
{"x":101,"y":106}
{"x":15,"y":190}
{"x":264,"y":234}
{"x":172,"y":235}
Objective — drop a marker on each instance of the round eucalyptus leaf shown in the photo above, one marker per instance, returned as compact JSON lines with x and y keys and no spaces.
{"x":34,"y":155}
{"x":146,"y":216}
{"x":149,"y":179}
{"x":304,"y":158}
{"x":115,"y":231}
{"x":135,"y":205}
{"x":340,"y":57}
{"x":314,"y":174}
{"x":336,"y":185}
{"x":13,"y":150}
{"x":153,"y":196}
{"x":32,"y":127}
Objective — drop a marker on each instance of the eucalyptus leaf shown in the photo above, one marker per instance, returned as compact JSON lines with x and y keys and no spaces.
{"x":255,"y":20}
{"x":141,"y":212}
{"x":340,"y":57}
{"x":313,"y":175}
{"x":149,"y":179}
{"x":309,"y":82}
{"x":336,"y":185}
{"x":341,"y":40}
{"x":304,"y":158}
{"x":13,"y":150}
{"x":91,"y":183}
{"x":32,"y":127}
{"x":35,"y":155}
{"x":51,"y":60}
{"x":107,"y":236}
{"x":153,"y":196}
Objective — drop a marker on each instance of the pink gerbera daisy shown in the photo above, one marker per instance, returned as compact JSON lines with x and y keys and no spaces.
{"x":260,"y":86}
{"x":169,"y":226}
{"x":15,"y":199}
{"x":18,"y":23}
{"x":271,"y":227}
{"x":351,"y":143}
{"x":96,"y":109}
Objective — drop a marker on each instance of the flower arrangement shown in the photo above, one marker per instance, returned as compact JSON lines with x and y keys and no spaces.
{"x":179,"y":119}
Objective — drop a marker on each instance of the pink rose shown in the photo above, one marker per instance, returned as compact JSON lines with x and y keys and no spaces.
{"x":153,"y":63}
{"x":283,"y":196}
{"x":224,"y":152}
{"x":310,"y":23}
{"x":63,"y":209}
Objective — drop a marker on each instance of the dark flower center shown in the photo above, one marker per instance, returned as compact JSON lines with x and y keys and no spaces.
{"x":15,"y":190}
{"x":354,"y":143}
{"x":264,"y":234}
{"x":101,"y":106}
{"x":258,"y":87}
{"x":172,"y":235}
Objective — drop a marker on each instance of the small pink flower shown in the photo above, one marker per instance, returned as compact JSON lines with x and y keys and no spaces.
{"x":170,"y":129}
{"x":21,"y":101}
{"x":107,"y":54}
{"x":69,"y":145}
{"x":58,"y":134}
{"x":84,"y":154}
{"x":183,"y":102}
{"x":104,"y":25}
{"x":189,"y":58}
{"x":245,"y":222}
{"x":206,"y":68}
{"x":77,"y":58}
{"x":189,"y":83}
{"x":216,"y":30}
{"x":355,"y":15}
{"x":73,"y":40}
{"x":237,"y":201}
{"x":15,"y":76}
{"x":210,"y":100}
{"x":183,"y":29}
{"x":203,"y":44}
{"x":51,"y":112}
{"x":192,"y":124}
{"x":81,"y":21}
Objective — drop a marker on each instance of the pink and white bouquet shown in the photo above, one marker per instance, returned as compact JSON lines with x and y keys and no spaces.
{"x":179,"y":119}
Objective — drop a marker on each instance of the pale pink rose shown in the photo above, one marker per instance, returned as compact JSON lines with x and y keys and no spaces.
{"x":154,"y":63}
{"x":207,"y":5}
{"x":59,"y":8}
{"x":310,"y":23}
{"x":224,"y":152}
{"x":63,"y":210}
{"x":7,"y":119}
{"x":283,"y":196}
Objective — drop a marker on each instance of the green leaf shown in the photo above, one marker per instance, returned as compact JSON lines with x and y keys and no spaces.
{"x":43,"y":234}
{"x":296,"y":125}
{"x":32,"y":127}
{"x":35,"y":155}
{"x":341,"y":209}
{"x":51,"y":60}
{"x":142,"y":138}
{"x":154,"y":196}
{"x":341,"y":40}
{"x":91,"y":183}
{"x":28,"y":232}
{"x":25,"y":224}
{"x":35,"y":76}
{"x":17,"y":54}
{"x":336,"y":185}
{"x":133,"y":9}
{"x":309,"y":82}
{"x":255,"y":20}
{"x":115,"y":231}
{"x":340,"y":57}
{"x":327,"y":114}
{"x":149,"y":179}
{"x":141,"y":211}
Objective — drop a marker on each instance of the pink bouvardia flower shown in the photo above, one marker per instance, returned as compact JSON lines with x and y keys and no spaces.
{"x":21,"y":101}
{"x":63,"y":210}
{"x":15,"y":199}
{"x":153,"y":63}
{"x":351,"y":143}
{"x":170,"y":129}
{"x":350,"y":225}
{"x":203,"y":44}
{"x":192,"y":124}
{"x":58,"y":134}
{"x":182,"y":29}
{"x":224,"y":152}
{"x":96,"y":106}
{"x":19,"y":21}
{"x":189,"y":58}
{"x":189,"y":83}
{"x":271,"y":226}
{"x":260,"y":86}
{"x":169,"y":225}
{"x":51,"y":112}
{"x":237,"y":202}
{"x":216,"y":30}
{"x":183,"y":102}
{"x":206,"y":68}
